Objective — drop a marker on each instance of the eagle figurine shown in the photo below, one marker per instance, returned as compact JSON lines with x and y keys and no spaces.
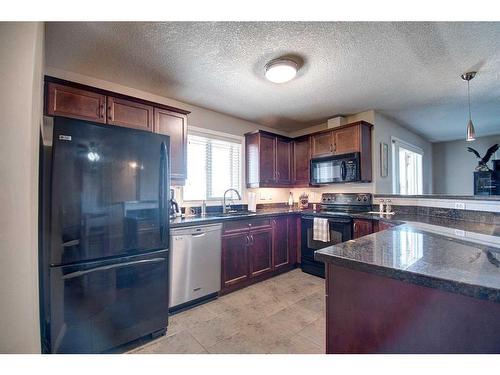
{"x":482,"y":164}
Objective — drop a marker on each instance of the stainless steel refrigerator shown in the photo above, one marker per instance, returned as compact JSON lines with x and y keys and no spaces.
{"x":104,"y":235}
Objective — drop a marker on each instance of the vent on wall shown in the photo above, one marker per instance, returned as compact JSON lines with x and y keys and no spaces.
{"x":336,"y":121}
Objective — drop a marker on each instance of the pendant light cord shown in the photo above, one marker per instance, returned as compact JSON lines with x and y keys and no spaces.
{"x":468,"y":97}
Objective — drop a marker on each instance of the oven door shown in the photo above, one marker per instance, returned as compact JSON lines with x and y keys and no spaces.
{"x":340,"y":231}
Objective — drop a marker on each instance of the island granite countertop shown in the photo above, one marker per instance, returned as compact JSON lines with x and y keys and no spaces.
{"x":451,"y":255}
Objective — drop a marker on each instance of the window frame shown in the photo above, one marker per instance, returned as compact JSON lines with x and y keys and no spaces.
{"x":396,"y":144}
{"x":214,"y":134}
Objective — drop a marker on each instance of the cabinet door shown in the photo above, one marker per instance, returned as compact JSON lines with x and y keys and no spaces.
{"x":301,"y":161}
{"x":283,"y":161}
{"x":234,"y":258}
{"x":322,"y":144}
{"x":382,"y":225}
{"x":174,"y":125}
{"x":75,"y":103}
{"x":346,"y":140}
{"x":260,"y":251}
{"x":281,"y":255}
{"x":362,"y":228}
{"x":294,"y":227}
{"x":267,"y":157}
{"x":129,"y":114}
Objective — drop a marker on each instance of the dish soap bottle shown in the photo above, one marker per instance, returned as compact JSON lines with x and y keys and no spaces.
{"x":290,"y":201}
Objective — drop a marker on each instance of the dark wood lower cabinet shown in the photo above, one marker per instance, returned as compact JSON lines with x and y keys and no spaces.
{"x":260,"y":251}
{"x":234,"y":259}
{"x":367,"y":313}
{"x":280,"y":242}
{"x":254,"y":250}
{"x":361,"y":227}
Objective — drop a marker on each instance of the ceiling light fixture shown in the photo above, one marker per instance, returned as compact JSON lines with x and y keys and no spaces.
{"x":281,"y":70}
{"x":471,"y":133}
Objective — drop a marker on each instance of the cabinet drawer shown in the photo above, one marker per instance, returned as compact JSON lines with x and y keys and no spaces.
{"x":245,"y":225}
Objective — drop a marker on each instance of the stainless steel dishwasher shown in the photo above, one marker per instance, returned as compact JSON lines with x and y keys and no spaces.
{"x":195,"y":261}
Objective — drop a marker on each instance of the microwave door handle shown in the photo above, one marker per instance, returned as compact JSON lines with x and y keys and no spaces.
{"x":343,"y":171}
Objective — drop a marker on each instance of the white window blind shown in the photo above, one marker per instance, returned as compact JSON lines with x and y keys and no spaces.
{"x":214,"y":165}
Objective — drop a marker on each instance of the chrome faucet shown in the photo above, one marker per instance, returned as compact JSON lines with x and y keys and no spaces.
{"x":224,"y":208}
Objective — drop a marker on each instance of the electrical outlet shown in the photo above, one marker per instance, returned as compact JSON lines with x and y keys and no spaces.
{"x":459,"y":205}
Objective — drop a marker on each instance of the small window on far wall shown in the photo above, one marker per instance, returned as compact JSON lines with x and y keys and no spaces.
{"x":407,"y":168}
{"x":213,"y":165}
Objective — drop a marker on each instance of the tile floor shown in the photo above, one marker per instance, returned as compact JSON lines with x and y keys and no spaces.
{"x":284,"y":314}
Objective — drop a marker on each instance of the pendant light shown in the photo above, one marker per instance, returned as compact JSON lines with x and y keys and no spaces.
{"x":471,"y":134}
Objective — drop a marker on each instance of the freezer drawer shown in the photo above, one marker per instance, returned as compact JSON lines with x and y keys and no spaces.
{"x":195,"y":263}
{"x":101,"y":305}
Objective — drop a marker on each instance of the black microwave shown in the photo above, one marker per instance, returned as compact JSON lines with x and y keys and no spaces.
{"x":335,"y":169}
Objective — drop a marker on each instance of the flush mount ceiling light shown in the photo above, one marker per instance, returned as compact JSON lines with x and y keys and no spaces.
{"x":471,"y":134}
{"x":281,"y":70}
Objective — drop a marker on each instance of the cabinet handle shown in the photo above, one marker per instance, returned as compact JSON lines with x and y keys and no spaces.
{"x":247,"y":240}
{"x":277,"y":174}
{"x":355,"y":227}
{"x":334,"y":147}
{"x":110,"y":113}
{"x":331,"y":147}
{"x":101,"y":111}
{"x":251,"y":238}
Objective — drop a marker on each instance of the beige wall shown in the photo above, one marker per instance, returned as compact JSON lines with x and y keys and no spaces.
{"x":21,"y":67}
{"x":386,"y":128}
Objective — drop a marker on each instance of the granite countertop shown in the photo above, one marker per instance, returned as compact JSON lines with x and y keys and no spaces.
{"x":452,"y":255}
{"x":219,"y":218}
{"x":442,"y":196}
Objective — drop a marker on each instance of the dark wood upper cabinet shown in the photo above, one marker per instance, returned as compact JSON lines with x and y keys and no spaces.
{"x":322,"y":144}
{"x":362,"y":227}
{"x":354,"y":137}
{"x":129,"y":114}
{"x":283,"y":161}
{"x":174,"y":125}
{"x":276,"y":161}
{"x":301,"y":161}
{"x":346,"y":140}
{"x":75,"y":103}
{"x":268,"y":160}
{"x":70,"y":99}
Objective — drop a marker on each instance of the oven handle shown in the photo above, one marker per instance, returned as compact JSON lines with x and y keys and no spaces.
{"x":330,"y":219}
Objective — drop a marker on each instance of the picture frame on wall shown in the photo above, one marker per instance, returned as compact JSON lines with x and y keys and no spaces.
{"x":384,"y":159}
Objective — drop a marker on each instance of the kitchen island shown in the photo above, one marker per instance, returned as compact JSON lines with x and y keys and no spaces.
{"x":426,"y":286}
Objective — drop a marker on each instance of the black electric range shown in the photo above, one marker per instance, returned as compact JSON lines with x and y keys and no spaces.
{"x":337,"y":208}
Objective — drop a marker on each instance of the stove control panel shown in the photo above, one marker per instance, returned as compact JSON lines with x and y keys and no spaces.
{"x":351,"y":199}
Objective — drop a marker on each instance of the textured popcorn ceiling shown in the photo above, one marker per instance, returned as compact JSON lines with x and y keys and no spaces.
{"x":408,"y":71}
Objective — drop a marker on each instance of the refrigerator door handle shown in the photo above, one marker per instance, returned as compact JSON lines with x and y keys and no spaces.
{"x":111,"y":266}
{"x":163,"y":187}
